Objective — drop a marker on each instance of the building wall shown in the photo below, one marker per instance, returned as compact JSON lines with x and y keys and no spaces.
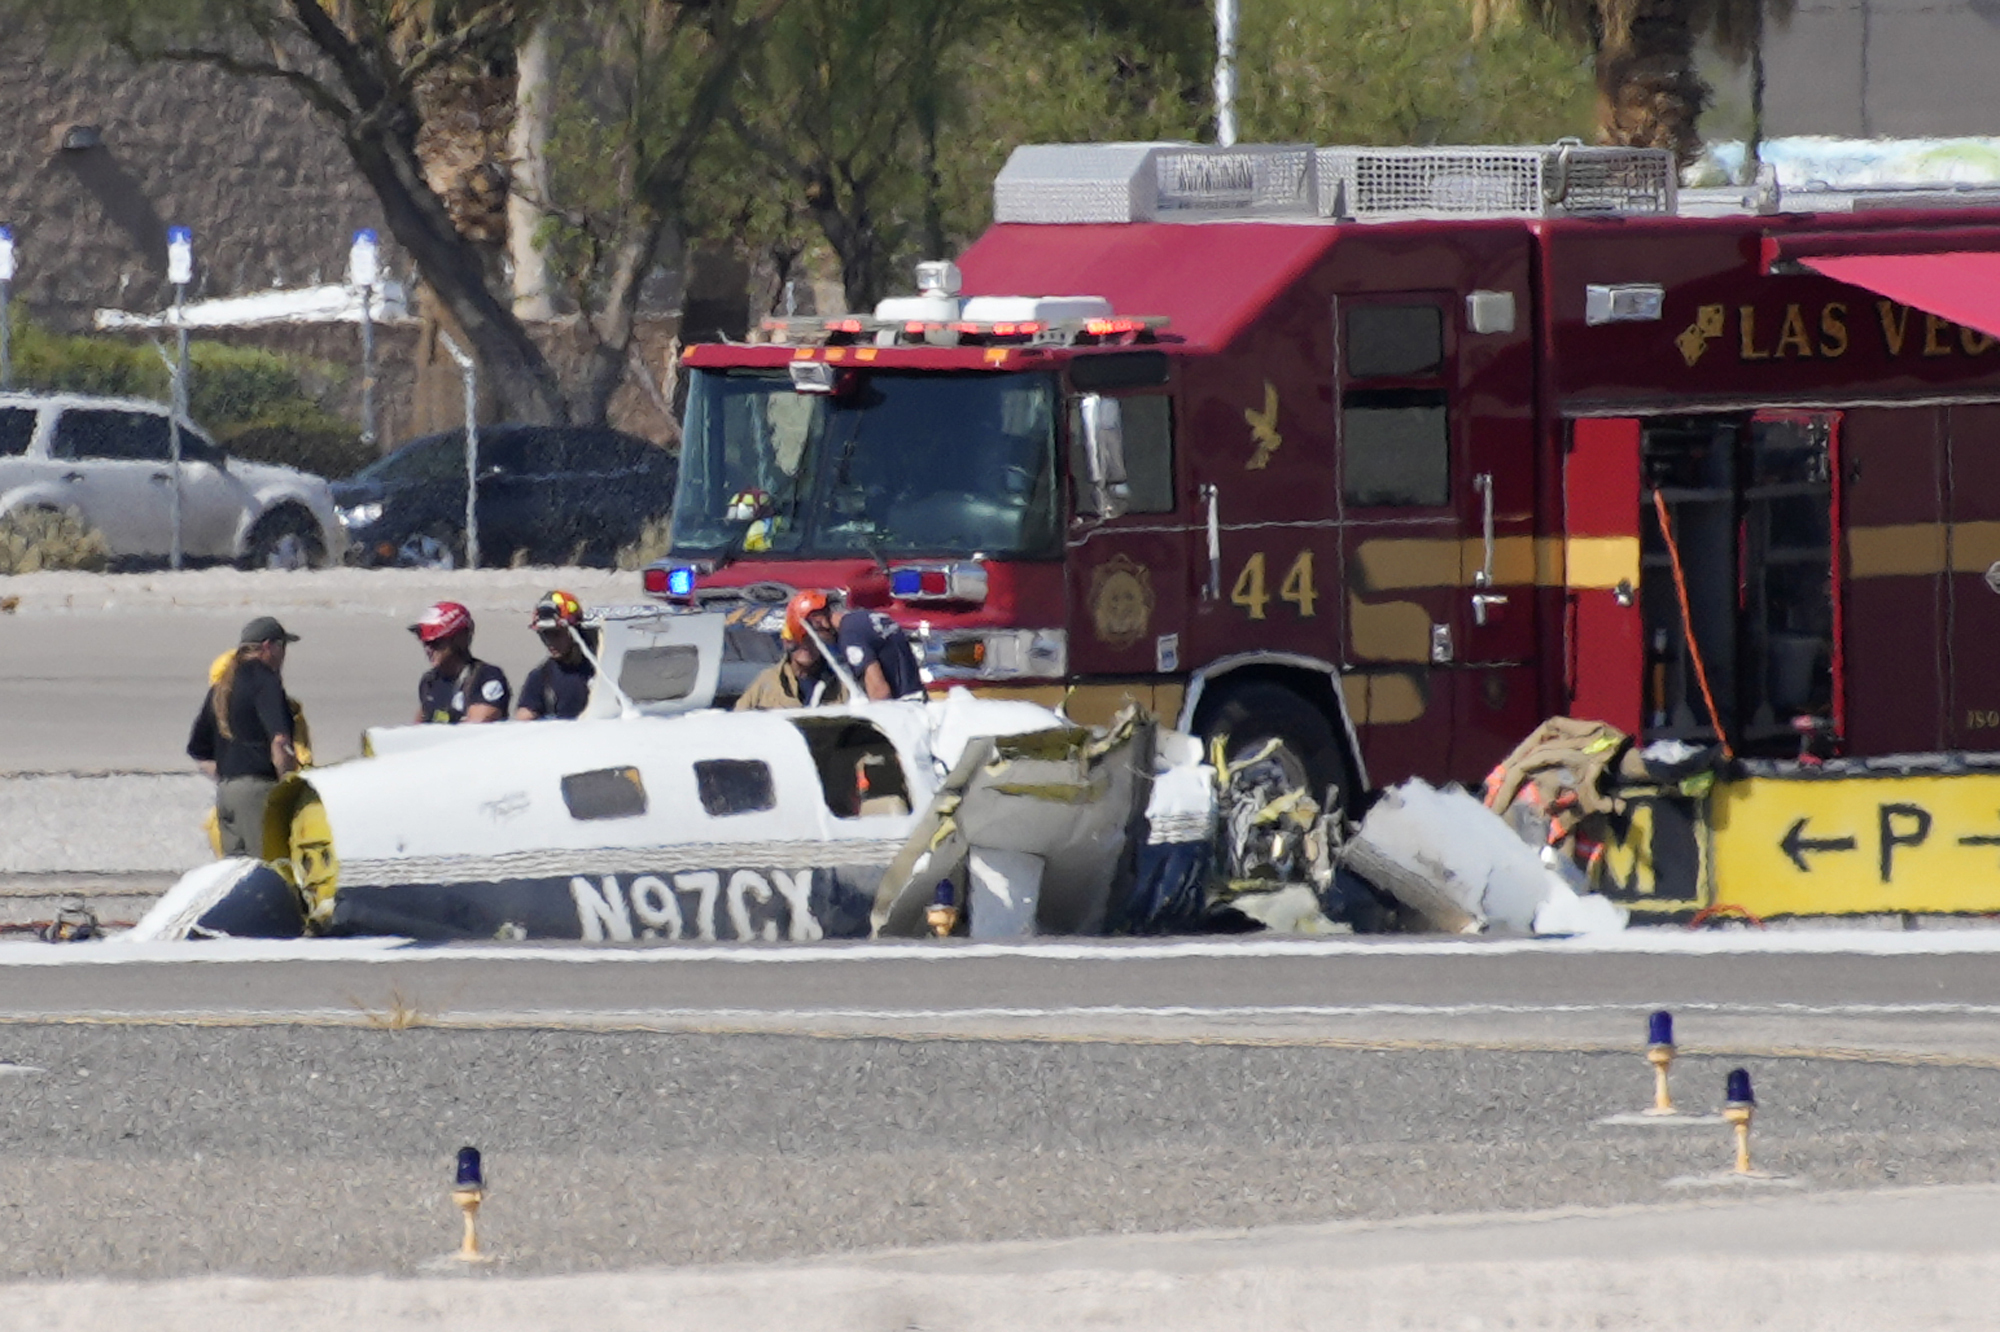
{"x":269,"y":192}
{"x":1884,"y":68}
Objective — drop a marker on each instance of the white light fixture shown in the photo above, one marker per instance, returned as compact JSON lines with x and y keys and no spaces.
{"x":363,"y":260}
{"x":1632,"y":302}
{"x":6,"y":254}
{"x":180,"y":256}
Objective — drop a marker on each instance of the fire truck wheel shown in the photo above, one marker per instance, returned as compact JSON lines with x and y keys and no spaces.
{"x":1256,"y":711}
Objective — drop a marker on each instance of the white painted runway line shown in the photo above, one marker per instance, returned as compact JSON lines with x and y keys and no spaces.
{"x":420,"y":1014}
{"x":1664,"y":942}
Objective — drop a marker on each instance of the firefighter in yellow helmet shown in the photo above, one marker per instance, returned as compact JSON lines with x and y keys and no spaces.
{"x":559,"y":687}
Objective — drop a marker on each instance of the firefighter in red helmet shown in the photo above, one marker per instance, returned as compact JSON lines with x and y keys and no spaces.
{"x":458,"y":687}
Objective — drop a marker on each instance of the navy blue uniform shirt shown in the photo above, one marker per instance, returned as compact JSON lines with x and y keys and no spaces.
{"x":558,"y":689}
{"x":870,"y":636}
{"x":444,"y":698}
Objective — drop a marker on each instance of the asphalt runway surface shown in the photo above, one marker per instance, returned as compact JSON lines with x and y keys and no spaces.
{"x":118,"y":692}
{"x":658,"y":1108}
{"x":104,"y":672}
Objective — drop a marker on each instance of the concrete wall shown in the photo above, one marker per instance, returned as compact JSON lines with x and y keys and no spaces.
{"x":267,"y":188}
{"x":1884,"y":68}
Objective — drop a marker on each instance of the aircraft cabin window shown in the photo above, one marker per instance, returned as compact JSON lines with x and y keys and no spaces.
{"x":604,"y":793}
{"x":659,"y":674}
{"x":734,"y":786}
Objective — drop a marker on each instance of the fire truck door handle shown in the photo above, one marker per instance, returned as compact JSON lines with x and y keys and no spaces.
{"x":1483,"y":483}
{"x":1213,"y":590}
{"x":1483,"y":602}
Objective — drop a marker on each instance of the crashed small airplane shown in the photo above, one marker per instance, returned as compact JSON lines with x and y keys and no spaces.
{"x":656,"y":817}
{"x":828,"y":823}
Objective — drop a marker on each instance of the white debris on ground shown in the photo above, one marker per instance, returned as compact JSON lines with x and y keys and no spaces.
{"x":183,"y":904}
{"x":1469,"y":855}
{"x":391,"y":592}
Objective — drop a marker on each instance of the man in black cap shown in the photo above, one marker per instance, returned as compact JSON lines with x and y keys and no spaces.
{"x":243,"y":735}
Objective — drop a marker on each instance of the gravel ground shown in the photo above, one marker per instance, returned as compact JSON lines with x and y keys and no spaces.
{"x":143,"y":1152}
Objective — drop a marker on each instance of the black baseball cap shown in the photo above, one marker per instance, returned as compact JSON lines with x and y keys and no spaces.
{"x":265,"y":629}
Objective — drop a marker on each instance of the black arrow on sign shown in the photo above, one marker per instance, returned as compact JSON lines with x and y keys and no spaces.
{"x":1796,"y":844}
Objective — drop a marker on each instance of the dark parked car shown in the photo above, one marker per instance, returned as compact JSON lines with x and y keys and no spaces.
{"x":555,"y":495}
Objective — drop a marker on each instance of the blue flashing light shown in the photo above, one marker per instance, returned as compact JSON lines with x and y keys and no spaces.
{"x":946,"y":895}
{"x":680,"y":581}
{"x":906,"y":583}
{"x":1739,"y":1092}
{"x":469,"y":1176}
{"x":1660,"y":1028}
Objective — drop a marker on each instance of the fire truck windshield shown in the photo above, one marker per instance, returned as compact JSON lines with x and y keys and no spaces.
{"x":894,"y":464}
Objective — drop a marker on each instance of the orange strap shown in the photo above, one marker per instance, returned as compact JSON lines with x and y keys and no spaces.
{"x":1687,"y":623}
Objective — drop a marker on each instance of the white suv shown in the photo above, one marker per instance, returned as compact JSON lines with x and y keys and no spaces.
{"x":107,"y":459}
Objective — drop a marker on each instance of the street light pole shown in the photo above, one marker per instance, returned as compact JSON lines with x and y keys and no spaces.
{"x":363,"y":268}
{"x":6,"y":308}
{"x":468,"y":369}
{"x":180,"y":272}
{"x":1225,"y":72}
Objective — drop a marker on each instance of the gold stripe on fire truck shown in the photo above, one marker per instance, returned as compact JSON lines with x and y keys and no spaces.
{"x":1897,"y":550}
{"x":1407,"y":564}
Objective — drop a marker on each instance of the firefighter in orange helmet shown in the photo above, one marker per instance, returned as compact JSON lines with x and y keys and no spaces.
{"x":802,"y":679}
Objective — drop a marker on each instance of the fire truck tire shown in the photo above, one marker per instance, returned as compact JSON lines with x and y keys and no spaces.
{"x":1254,"y":711}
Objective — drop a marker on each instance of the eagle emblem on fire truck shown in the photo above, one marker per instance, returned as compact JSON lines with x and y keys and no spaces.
{"x":1121,"y":601}
{"x":1263,"y":429}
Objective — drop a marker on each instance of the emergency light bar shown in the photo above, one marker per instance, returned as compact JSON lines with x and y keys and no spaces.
{"x":919,"y":583}
{"x":846,"y":330}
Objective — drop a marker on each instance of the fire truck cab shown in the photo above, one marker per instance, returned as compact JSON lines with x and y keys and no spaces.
{"x":1389,"y":454}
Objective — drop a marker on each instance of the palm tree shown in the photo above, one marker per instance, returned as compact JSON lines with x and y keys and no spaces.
{"x":1649,"y":94}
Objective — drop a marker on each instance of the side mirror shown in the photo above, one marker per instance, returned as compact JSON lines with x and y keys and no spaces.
{"x":1106,"y":494}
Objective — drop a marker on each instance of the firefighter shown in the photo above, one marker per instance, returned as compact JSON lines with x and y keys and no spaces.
{"x":802,"y":679}
{"x":242,"y":736}
{"x":559,"y":687}
{"x":211,"y":824}
{"x":873,"y":648}
{"x":458,"y":687}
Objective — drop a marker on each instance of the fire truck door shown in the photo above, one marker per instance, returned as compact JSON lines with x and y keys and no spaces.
{"x":1495,"y":677}
{"x":1974,"y":573}
{"x":1401,"y":469}
{"x":1606,"y":635}
{"x":1129,"y":573}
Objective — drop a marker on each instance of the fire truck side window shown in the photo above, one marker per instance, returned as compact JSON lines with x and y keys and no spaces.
{"x":1397,"y":447}
{"x":1148,"y":432}
{"x":1394,"y":341}
{"x":1149,"y":453}
{"x":1395,"y":430}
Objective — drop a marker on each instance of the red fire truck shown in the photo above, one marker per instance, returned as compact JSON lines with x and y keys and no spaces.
{"x":1392,"y":453}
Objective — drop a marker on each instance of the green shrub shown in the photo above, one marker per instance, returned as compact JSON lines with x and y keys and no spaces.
{"x":257,"y":403}
{"x":298,"y":434}
{"x":34,"y":540}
